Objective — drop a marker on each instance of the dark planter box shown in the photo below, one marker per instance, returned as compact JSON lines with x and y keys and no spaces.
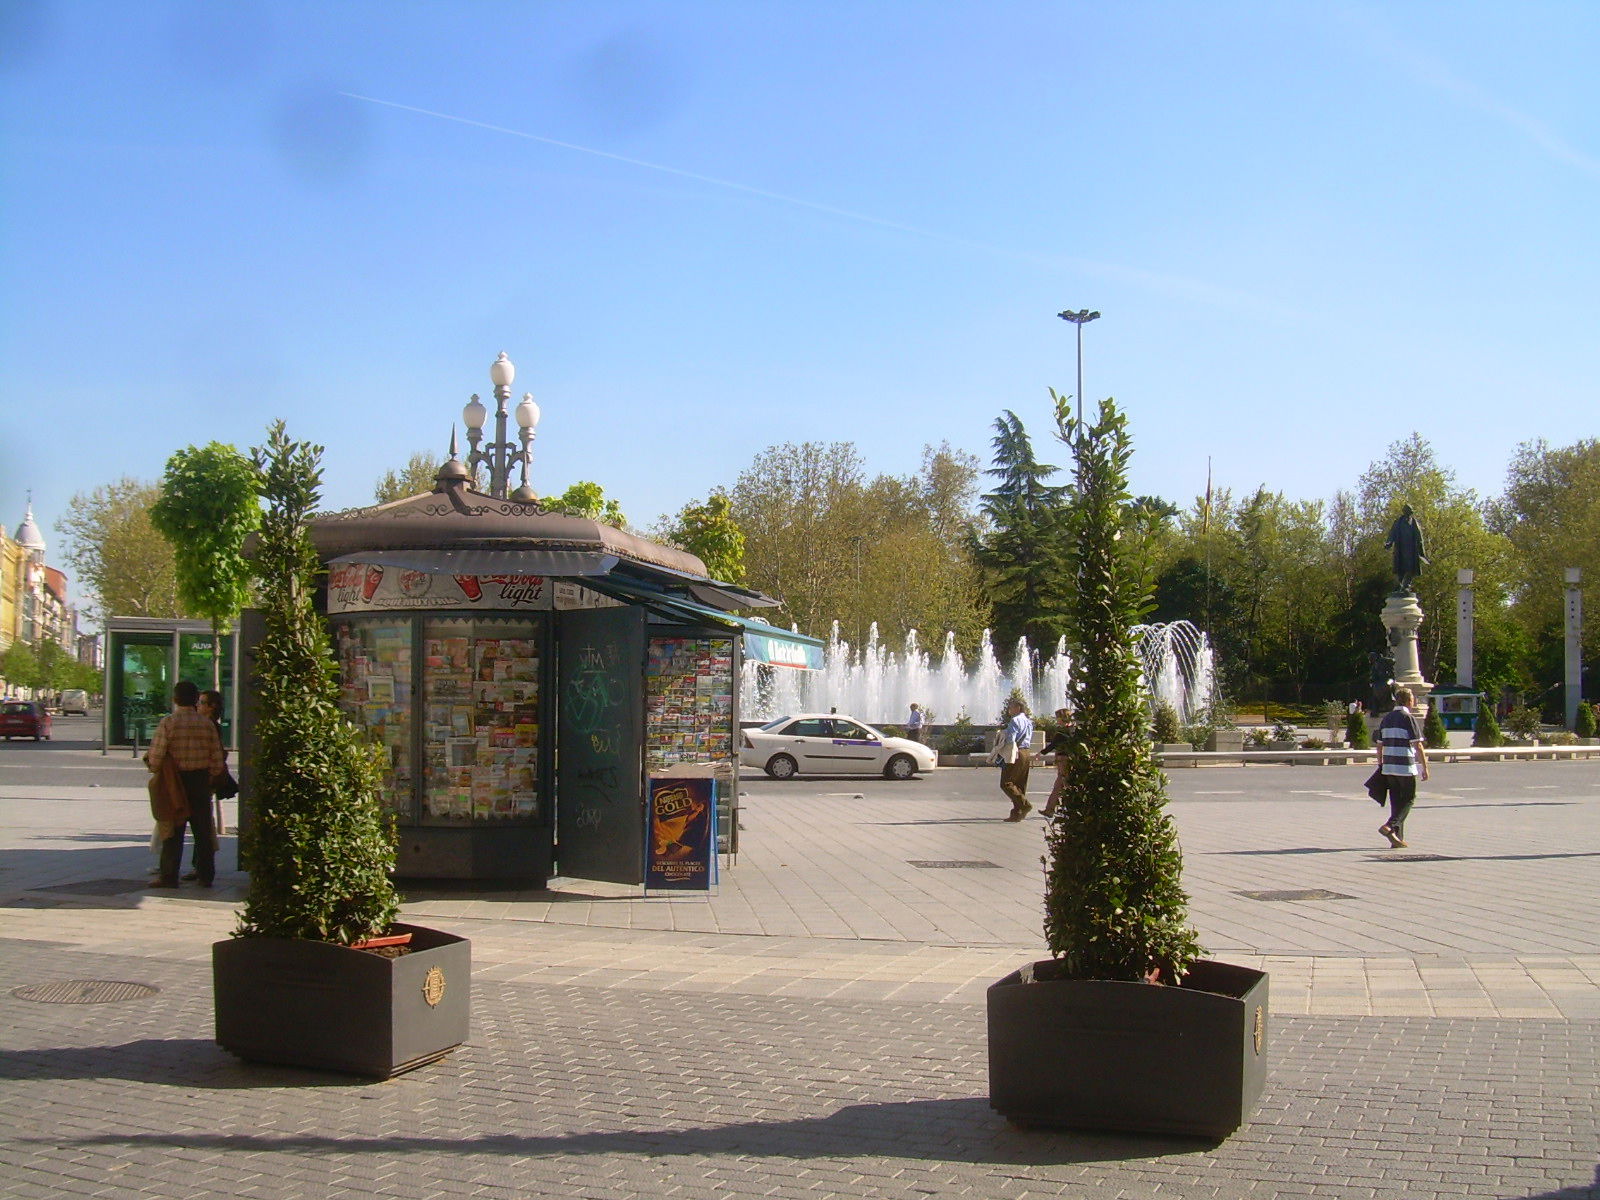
{"x":1093,"y":1054}
{"x":314,"y":1004}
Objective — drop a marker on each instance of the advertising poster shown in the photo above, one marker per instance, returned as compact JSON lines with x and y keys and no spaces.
{"x":683,"y":819}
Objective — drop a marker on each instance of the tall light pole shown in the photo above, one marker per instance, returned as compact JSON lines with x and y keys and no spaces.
{"x":1080,"y":318}
{"x":499,"y":454}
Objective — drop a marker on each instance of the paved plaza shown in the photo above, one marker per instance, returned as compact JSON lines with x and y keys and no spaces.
{"x":816,"y":1028}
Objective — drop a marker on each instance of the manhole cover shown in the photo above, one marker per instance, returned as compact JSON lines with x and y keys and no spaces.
{"x":951,"y":864}
{"x":84,"y":991}
{"x":97,"y":887}
{"x":1414,"y":858}
{"x":1304,"y":894}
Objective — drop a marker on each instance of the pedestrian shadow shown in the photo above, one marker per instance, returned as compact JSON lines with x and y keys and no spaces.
{"x":176,"y":1062}
{"x":948,"y":1131}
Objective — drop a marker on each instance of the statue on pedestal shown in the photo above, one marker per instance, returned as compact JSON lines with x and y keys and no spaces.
{"x":1405,"y":539}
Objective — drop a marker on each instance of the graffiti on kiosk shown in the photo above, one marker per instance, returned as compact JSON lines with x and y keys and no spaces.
{"x":367,"y":587}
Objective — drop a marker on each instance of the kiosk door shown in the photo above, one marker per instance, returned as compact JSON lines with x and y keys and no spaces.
{"x":600,"y":804}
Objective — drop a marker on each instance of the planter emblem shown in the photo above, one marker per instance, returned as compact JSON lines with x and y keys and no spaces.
{"x":433,"y":992}
{"x":1260,"y":1025}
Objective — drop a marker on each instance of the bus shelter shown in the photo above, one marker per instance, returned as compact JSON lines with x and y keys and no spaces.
{"x":144,"y":657}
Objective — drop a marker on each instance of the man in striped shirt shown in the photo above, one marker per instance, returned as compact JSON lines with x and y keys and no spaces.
{"x":1403,"y":759}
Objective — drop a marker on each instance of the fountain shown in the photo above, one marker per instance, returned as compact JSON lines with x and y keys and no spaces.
{"x":877,"y":684}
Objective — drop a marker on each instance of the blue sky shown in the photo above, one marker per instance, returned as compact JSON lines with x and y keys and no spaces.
{"x":700,"y":229}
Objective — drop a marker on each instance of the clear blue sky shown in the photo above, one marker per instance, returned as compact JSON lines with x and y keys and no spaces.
{"x":700,"y":229}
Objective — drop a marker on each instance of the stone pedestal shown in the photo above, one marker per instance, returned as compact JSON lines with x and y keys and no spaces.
{"x":1402,"y":617}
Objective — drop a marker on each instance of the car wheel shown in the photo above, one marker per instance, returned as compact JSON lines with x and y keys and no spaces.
{"x":781,"y":766}
{"x":901,"y":766}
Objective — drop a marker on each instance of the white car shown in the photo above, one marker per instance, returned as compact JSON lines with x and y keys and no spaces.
{"x":830,"y":744}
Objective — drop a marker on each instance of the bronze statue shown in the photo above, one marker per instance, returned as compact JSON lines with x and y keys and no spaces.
{"x":1405,"y":538}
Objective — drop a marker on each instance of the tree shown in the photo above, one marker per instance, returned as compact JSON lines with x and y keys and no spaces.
{"x":709,"y":532}
{"x":585,"y":499}
{"x":116,"y":553}
{"x":1550,"y":515}
{"x":416,"y":477}
{"x":1115,"y":907}
{"x":833,"y":545}
{"x":1022,"y":552}
{"x":20,"y":667}
{"x":321,"y":847}
{"x":209,"y":505}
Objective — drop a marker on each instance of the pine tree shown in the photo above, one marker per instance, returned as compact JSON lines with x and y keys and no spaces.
{"x":1114,"y":902}
{"x":1022,"y":554}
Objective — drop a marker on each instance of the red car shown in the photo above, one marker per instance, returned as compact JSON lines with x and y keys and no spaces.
{"x":24,"y":718}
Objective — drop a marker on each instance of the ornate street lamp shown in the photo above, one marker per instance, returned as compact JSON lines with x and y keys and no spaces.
{"x":501,"y":453}
{"x":1080,"y":318}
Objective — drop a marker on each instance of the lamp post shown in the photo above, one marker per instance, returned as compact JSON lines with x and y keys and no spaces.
{"x":1080,"y":318}
{"x":499,"y":454}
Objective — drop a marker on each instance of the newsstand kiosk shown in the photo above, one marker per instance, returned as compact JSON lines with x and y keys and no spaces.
{"x":528,"y":673}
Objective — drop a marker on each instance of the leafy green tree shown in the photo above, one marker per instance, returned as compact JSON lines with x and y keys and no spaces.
{"x":709,"y":532}
{"x":1114,"y":901}
{"x":1550,"y":515}
{"x":416,"y":477}
{"x":209,"y":505}
{"x":116,"y":553}
{"x":20,"y":666}
{"x":1022,"y":552}
{"x":585,"y":499}
{"x":321,"y":847}
{"x":1584,"y":723}
{"x":835,"y":545}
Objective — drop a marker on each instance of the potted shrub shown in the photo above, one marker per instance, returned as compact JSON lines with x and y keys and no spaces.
{"x":1584,"y":724}
{"x":1486,"y":730}
{"x":1524,"y":724}
{"x":1356,"y":731}
{"x":291,"y":986}
{"x":1124,"y":1026}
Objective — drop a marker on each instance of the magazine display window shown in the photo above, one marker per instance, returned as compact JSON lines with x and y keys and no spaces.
{"x":689,"y":702}
{"x":375,"y":675}
{"x":481,"y":719}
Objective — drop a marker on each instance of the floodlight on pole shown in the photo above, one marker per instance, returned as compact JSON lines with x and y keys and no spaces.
{"x":1080,"y":318}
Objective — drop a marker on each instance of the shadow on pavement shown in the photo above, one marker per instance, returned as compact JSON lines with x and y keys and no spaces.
{"x":182,"y":1062}
{"x":959,"y":1131}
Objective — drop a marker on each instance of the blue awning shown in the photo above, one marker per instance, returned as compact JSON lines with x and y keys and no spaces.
{"x":763,"y":643}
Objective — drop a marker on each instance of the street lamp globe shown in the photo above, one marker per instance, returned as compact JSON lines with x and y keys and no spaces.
{"x":474,"y":414}
{"x":501,"y":372}
{"x":527,"y":412}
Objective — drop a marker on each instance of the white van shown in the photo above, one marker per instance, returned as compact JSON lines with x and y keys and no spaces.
{"x":74,"y":700}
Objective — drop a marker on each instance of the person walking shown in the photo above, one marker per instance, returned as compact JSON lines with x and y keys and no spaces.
{"x":191,"y":739}
{"x":1059,"y":743}
{"x":914,"y":722}
{"x":1402,"y":762}
{"x":1012,"y":753}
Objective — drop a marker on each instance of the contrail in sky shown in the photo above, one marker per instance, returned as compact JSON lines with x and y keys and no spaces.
{"x":1175,"y":285}
{"x":639,"y":162}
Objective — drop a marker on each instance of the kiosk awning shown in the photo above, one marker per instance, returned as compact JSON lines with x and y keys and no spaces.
{"x":763,"y":643}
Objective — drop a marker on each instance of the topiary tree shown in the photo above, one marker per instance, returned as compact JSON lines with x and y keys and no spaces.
{"x":1434,"y":734}
{"x":1164,"y":725}
{"x":1356,"y":731}
{"x":1524,"y":722}
{"x":1486,"y":730}
{"x":1115,"y":908}
{"x":1584,"y":723}
{"x":321,"y":846}
{"x":209,"y":505}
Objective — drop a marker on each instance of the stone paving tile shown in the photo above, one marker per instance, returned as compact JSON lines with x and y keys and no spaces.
{"x":622,"y":1091}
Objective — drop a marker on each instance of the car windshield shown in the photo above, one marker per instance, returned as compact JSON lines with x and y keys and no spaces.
{"x":19,"y":708}
{"x":771,"y":725}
